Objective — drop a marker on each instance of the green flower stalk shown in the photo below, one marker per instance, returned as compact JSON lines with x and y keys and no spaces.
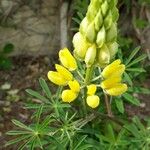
{"x":99,"y":28}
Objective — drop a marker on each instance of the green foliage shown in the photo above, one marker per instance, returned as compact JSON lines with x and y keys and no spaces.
{"x":59,"y":126}
{"x":5,"y":62}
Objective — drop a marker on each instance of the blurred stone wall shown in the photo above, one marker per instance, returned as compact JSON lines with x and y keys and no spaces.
{"x":32,"y":26}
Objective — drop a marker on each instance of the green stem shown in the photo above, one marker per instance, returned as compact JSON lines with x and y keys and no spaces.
{"x":88,"y":75}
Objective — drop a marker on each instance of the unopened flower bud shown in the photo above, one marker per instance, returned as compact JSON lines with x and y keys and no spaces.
{"x":111,"y":34}
{"x":91,"y":33}
{"x":90,"y":55}
{"x":115,"y":14}
{"x":104,"y":7}
{"x":108,"y":20}
{"x":103,"y":56}
{"x":113,"y":48}
{"x":101,"y":37}
{"x":80,"y":45}
{"x":84,"y":25}
{"x":98,"y":21}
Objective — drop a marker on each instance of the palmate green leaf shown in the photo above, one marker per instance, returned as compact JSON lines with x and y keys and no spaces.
{"x":139,"y":90}
{"x":138,"y":123}
{"x":140,"y":58}
{"x":128,"y":79}
{"x":109,"y":133}
{"x":22,"y":146}
{"x":45,"y":88}
{"x":21,"y":125}
{"x":85,"y":147}
{"x":17,"y":140}
{"x":119,"y":105}
{"x":134,"y":52}
{"x":80,"y":15}
{"x":133,"y":129}
{"x":57,"y":143}
{"x":38,"y":114}
{"x":81,"y":139}
{"x":76,"y":20}
{"x":128,"y":97}
{"x":136,"y":69}
{"x":18,"y":132}
{"x":37,"y":95}
{"x":46,"y":122}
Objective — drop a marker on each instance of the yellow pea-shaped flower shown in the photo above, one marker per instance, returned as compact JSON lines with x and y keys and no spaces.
{"x":64,"y":72}
{"x":110,"y":82}
{"x":67,"y":59}
{"x":107,"y":72}
{"x":93,"y":101}
{"x":68,"y":96}
{"x":118,"y":89}
{"x":91,"y":89}
{"x":56,"y":78}
{"x":74,"y":86}
{"x":119,"y":71}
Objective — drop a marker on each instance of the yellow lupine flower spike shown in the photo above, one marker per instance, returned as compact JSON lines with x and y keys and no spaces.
{"x":56,"y":78}
{"x":91,"y":89}
{"x":93,"y":101}
{"x":64,"y":72}
{"x":110,"y":82}
{"x":118,"y":89}
{"x":74,"y":86}
{"x":67,"y":59}
{"x":68,"y":96}
{"x":107,"y":72}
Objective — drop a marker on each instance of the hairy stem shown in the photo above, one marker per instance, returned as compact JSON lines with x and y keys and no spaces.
{"x":108,"y":106}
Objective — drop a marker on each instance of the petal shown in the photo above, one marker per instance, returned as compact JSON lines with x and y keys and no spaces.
{"x":91,"y":89}
{"x":118,"y":89}
{"x":111,"y":68}
{"x":67,"y":59}
{"x":56,"y":78}
{"x":119,"y":71}
{"x":93,"y":101}
{"x":64,"y":72}
{"x":74,"y":86}
{"x":110,"y":82}
{"x":68,"y":96}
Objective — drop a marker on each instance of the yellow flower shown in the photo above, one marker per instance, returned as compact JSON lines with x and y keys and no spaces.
{"x":110,"y":82}
{"x":91,"y":89}
{"x":64,"y":72}
{"x":68,"y":96}
{"x":117,"y":89}
{"x":67,"y":59}
{"x":107,"y":72}
{"x":93,"y":101}
{"x":74,"y":86}
{"x":56,"y":78}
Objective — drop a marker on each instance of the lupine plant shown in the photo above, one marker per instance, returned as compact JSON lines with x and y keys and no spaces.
{"x":87,"y":109}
